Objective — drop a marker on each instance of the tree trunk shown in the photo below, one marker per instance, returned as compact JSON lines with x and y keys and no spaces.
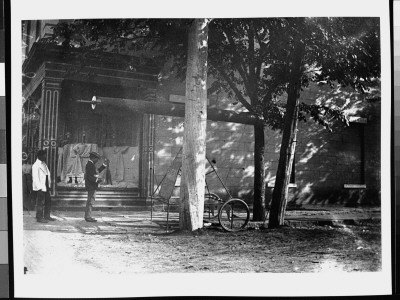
{"x":288,"y":144}
{"x":194,"y":137}
{"x":259,"y":173}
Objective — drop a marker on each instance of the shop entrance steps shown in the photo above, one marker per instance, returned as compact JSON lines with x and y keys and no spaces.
{"x":106,"y":198}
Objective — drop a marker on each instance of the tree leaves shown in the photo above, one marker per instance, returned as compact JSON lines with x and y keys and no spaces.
{"x":321,"y":114}
{"x":250,"y":54}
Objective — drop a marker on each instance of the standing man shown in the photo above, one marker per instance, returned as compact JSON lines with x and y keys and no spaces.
{"x":92,"y":183}
{"x":41,"y":183}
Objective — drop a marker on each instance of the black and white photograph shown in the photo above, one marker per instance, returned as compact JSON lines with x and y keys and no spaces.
{"x":163,"y":150}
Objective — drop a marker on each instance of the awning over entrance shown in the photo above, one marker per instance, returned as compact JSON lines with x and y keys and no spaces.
{"x":171,"y":109}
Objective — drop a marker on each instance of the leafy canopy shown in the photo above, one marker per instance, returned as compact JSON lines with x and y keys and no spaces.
{"x":249,"y":58}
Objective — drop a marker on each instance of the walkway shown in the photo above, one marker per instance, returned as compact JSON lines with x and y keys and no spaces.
{"x":114,"y":222}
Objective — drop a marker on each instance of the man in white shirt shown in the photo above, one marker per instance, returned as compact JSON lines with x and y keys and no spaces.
{"x":41,"y":183}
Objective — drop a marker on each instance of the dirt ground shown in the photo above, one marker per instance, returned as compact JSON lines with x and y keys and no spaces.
{"x":111,"y":247}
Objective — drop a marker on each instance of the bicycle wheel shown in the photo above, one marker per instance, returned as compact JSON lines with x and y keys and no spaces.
{"x":234,"y":215}
{"x":211,"y":203}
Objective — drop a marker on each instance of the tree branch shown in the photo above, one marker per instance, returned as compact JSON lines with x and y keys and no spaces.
{"x":263,"y":50}
{"x":238,"y":57}
{"x":252,"y":64}
{"x":238,"y":94}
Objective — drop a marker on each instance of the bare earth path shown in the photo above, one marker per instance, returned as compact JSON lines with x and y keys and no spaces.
{"x":120,"y":244}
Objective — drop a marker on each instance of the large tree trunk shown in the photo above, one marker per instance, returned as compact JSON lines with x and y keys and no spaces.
{"x":288,"y":144}
{"x":259,"y":173}
{"x":194,"y":137}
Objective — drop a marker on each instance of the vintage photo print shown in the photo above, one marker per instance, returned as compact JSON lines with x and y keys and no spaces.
{"x":176,"y":148}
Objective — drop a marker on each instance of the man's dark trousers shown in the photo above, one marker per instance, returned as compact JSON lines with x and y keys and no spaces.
{"x":89,"y":203}
{"x":43,"y":205}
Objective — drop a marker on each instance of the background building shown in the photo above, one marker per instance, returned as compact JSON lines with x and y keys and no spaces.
{"x":138,"y":125}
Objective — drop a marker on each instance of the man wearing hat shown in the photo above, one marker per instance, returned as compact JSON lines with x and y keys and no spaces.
{"x":41,"y":183}
{"x":92,"y":183}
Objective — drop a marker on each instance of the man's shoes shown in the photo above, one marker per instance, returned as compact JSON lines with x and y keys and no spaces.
{"x":90,"y":220}
{"x":42,"y":221}
{"x":50,"y":219}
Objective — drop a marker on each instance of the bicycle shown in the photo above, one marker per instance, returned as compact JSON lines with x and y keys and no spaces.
{"x":233,"y":214}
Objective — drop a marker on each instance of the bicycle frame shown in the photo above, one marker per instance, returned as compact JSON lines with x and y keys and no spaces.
{"x":219,"y":178}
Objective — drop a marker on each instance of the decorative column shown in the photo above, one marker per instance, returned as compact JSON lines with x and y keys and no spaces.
{"x":147,"y":185}
{"x":49,"y":112}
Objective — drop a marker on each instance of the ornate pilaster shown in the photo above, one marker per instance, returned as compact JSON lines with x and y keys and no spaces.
{"x":49,"y":112}
{"x":147,"y":155}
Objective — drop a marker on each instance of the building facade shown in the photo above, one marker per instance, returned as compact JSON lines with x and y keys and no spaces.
{"x":137,"y":123}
